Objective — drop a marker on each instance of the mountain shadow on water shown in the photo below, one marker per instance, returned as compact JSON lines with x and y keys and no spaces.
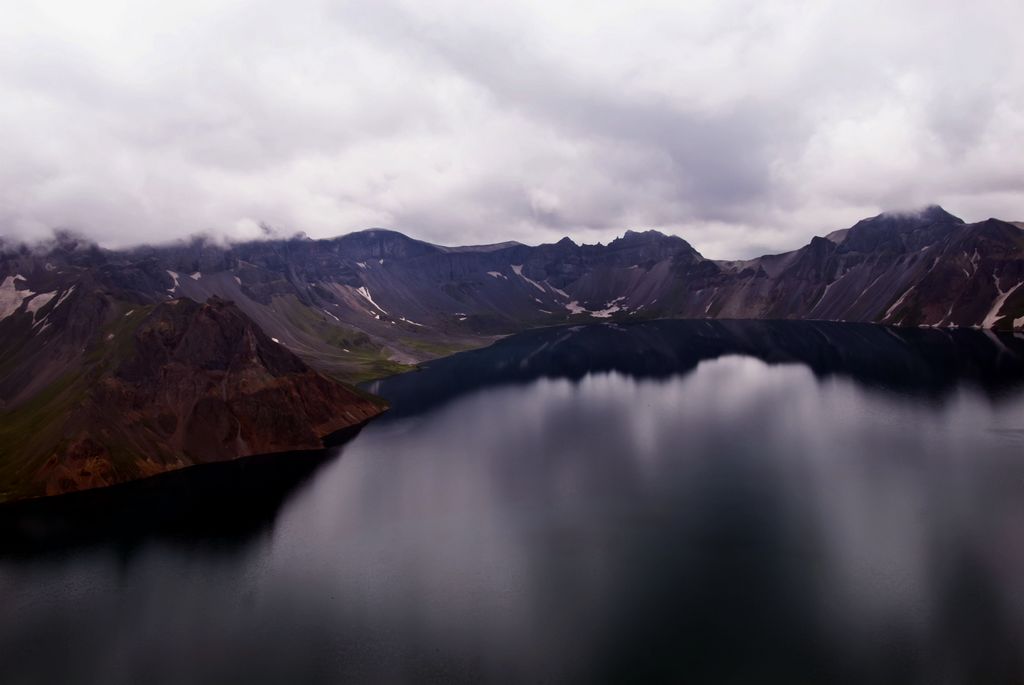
{"x":220,"y":505}
{"x":926,"y":363}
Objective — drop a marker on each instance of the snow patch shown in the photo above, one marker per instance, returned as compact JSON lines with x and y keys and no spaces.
{"x":710,"y":302}
{"x":238,"y":280}
{"x":993,"y":314}
{"x":896,"y":304}
{"x":824,"y":293}
{"x":276,"y":340}
{"x":38,"y":302}
{"x":497,"y":274}
{"x":366,"y":295}
{"x":10,"y":298}
{"x":518,"y":268}
{"x":402,"y":318}
{"x":864,"y":292}
{"x":64,"y":296}
{"x":557,"y":290}
{"x":362,"y":265}
{"x":949,"y":313}
{"x":174,"y":275}
{"x":196,"y":276}
{"x":610,"y":308}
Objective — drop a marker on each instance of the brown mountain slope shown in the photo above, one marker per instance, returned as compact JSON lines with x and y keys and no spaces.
{"x":187,"y":384}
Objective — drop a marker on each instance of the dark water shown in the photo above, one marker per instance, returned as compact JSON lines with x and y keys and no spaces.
{"x":667,"y":502}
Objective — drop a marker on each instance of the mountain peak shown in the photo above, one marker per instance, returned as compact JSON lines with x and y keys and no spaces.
{"x":649,"y":233}
{"x":901,"y":230}
{"x":927,"y":214}
{"x":650,"y":236}
{"x":384,"y":242}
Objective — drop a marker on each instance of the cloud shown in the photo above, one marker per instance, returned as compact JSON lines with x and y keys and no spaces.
{"x":742,"y":126}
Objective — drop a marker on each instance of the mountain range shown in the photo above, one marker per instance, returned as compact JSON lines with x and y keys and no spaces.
{"x":119,"y":364}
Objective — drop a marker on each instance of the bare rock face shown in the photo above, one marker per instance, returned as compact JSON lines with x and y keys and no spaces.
{"x":192,"y":383}
{"x":219,"y":388}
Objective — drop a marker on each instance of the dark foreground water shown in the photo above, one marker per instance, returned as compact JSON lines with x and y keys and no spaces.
{"x":673,"y":501}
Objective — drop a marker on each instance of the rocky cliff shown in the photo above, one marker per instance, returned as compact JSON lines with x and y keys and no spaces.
{"x":159,"y":388}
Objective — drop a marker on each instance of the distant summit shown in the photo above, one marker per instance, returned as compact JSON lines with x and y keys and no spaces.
{"x":928,"y":213}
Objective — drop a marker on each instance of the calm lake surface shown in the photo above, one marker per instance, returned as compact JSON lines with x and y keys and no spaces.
{"x":708,"y":502}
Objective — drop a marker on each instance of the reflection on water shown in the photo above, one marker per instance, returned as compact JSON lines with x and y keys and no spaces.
{"x":661,"y":502}
{"x":923,"y":362}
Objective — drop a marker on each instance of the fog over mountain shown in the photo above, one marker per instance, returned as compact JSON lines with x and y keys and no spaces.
{"x":744,"y":127}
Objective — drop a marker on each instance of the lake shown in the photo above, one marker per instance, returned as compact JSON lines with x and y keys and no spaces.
{"x":671,"y":501}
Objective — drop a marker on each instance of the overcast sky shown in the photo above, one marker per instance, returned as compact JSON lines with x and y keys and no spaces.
{"x":743,"y":126}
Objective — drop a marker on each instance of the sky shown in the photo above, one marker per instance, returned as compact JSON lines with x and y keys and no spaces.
{"x":743,"y":126}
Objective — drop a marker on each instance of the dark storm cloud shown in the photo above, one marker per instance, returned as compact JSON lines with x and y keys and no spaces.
{"x":743,"y":126}
{"x":715,"y":159}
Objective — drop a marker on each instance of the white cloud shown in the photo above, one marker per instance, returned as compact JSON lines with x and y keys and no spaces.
{"x":743,"y":126}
